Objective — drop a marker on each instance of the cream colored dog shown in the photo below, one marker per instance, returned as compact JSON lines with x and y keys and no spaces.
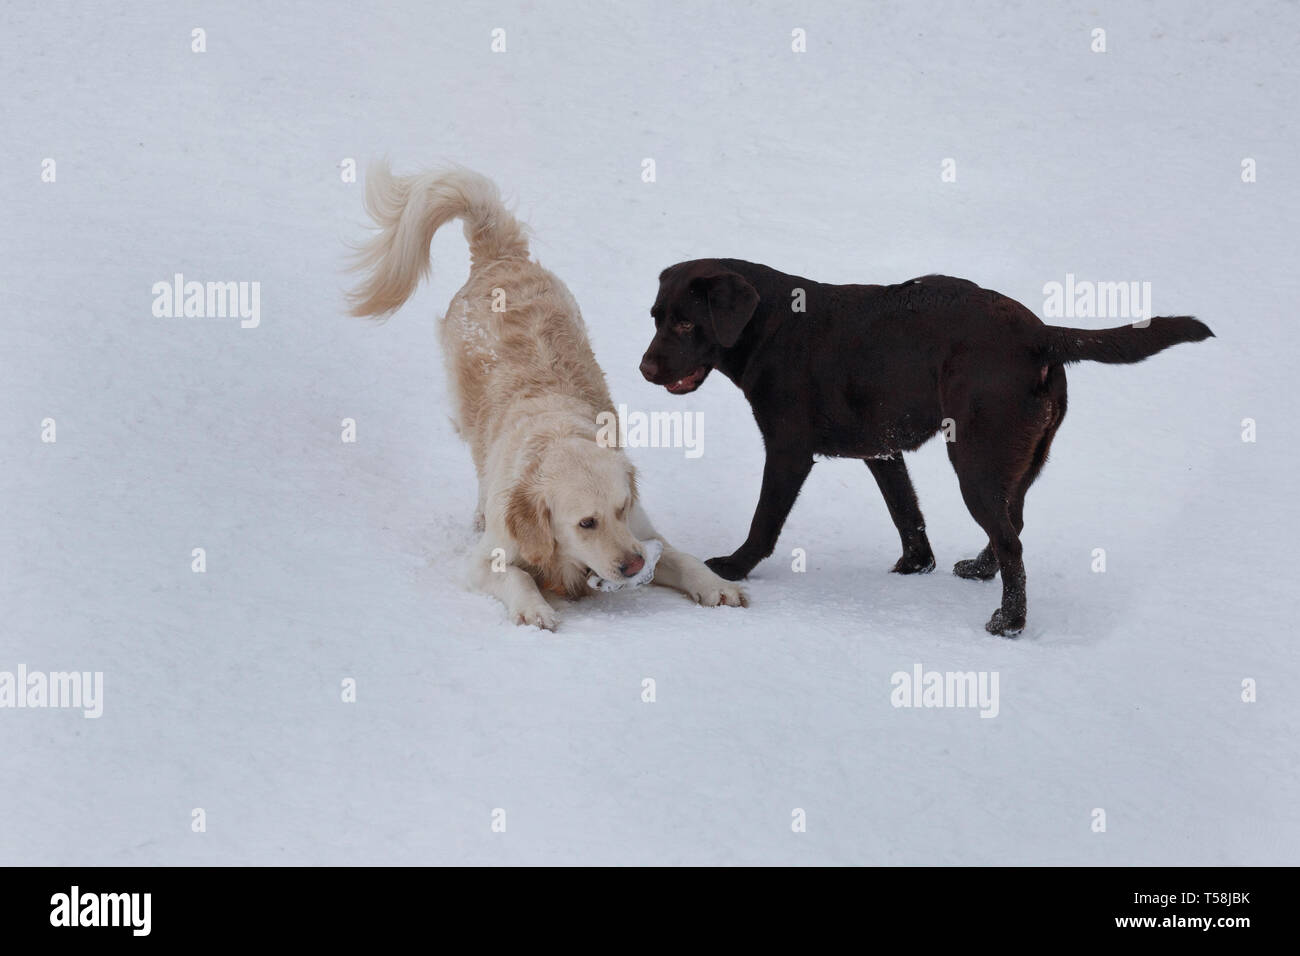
{"x":559,"y":507}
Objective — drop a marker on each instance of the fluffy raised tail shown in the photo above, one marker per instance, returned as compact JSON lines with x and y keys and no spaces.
{"x":1123,"y":345}
{"x":408,"y":210}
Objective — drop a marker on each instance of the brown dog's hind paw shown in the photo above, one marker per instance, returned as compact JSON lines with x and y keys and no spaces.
{"x":995,"y":626}
{"x":922,"y":563}
{"x":976,"y":569}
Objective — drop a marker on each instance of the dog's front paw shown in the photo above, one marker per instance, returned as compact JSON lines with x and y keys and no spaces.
{"x":538,"y":614}
{"x":729,"y":568}
{"x":712,"y":591}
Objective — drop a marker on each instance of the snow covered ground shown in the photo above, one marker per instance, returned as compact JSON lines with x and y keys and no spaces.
{"x":329,"y":560}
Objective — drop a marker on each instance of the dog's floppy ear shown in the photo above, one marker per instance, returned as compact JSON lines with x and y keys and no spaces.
{"x":528,"y":520}
{"x":732,"y":302}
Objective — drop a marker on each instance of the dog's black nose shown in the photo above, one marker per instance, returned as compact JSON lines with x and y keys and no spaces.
{"x":649,"y":368}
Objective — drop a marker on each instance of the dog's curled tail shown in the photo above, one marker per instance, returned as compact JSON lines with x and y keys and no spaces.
{"x":408,"y":210}
{"x":1123,"y":345}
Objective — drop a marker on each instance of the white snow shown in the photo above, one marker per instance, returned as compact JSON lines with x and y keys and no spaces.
{"x":329,"y":560}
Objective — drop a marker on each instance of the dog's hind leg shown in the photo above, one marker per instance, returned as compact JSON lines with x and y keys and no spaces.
{"x":900,"y":497}
{"x":985,"y":565}
{"x":1053,"y":414}
{"x":987,"y":493}
{"x":992,"y":462}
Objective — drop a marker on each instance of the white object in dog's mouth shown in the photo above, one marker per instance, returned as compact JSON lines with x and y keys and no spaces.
{"x":652,"y":549}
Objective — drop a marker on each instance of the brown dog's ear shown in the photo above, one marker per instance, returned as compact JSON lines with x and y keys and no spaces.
{"x":732,"y":302}
{"x":528,"y":520}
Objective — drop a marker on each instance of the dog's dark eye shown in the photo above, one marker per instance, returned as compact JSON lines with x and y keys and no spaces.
{"x":587,"y":523}
{"x":683,"y":326}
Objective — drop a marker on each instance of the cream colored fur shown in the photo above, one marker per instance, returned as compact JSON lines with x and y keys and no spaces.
{"x":528,"y":392}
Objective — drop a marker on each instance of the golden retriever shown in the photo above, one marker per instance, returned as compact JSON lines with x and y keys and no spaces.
{"x":558,"y":504}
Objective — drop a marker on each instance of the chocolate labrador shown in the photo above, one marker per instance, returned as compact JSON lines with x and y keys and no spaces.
{"x":871,"y":371}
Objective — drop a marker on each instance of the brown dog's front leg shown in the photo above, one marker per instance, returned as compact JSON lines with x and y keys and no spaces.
{"x":783,"y":476}
{"x":900,"y":497}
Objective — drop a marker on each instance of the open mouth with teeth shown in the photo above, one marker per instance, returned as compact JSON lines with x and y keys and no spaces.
{"x":688,"y":383}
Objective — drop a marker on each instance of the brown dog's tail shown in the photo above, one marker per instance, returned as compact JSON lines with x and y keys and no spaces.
{"x":1123,"y":345}
{"x":408,"y":210}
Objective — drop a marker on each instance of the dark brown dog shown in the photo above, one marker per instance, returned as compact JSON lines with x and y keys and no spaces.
{"x":869,"y":371}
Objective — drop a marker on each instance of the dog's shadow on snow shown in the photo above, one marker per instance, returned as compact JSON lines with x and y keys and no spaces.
{"x":840,"y":595}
